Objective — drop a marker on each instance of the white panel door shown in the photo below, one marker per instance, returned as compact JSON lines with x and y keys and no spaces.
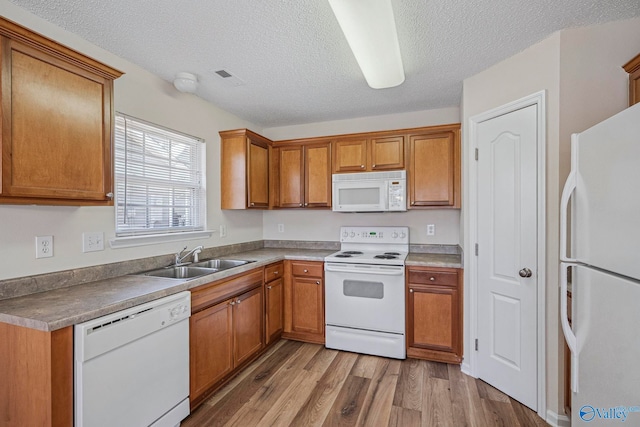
{"x":507,"y":254}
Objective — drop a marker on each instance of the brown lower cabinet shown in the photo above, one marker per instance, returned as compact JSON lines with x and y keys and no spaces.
{"x":304,"y":301}
{"x":434,"y":314}
{"x":36,"y":376}
{"x":274,"y":301}
{"x":226,"y":331}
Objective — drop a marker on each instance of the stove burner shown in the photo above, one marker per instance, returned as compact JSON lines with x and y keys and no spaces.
{"x":352,"y":252}
{"x":384,"y":256}
{"x":343,"y":255}
{"x":391,"y":253}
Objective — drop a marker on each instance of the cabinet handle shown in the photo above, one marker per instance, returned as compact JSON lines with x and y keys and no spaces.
{"x":411,"y":290}
{"x":413,"y":203}
{"x":275,"y":272}
{"x":361,"y":166}
{"x":232,"y":303}
{"x":268,"y":287}
{"x":252,"y":204}
{"x":239,"y":301}
{"x":432,"y":278}
{"x":300,"y":204}
{"x":306,"y":271}
{"x":317,"y":282}
{"x":306,"y":204}
{"x":373,"y":166}
{"x":109,"y":195}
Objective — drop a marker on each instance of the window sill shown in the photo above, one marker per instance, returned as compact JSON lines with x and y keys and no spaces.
{"x":130,"y":241}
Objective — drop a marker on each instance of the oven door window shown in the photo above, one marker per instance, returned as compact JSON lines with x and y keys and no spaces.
{"x":363,"y":289}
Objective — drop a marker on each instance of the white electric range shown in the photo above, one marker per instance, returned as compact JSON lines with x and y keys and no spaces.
{"x":364,"y":291}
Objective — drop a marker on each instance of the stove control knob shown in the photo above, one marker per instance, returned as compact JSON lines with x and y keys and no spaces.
{"x":345,"y":233}
{"x":352,"y":234}
{"x":394,"y":235}
{"x":380,"y":235}
{"x":403,"y":235}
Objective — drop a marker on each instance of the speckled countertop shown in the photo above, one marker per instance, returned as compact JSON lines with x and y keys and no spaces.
{"x":58,"y":308}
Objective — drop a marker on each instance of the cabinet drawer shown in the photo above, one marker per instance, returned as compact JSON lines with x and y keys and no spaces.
{"x":212,"y":293}
{"x":273,"y":271}
{"x":306,"y":269}
{"x":433,"y":277}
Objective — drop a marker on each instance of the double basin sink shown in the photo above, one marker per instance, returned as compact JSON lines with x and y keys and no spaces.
{"x":196,"y":269}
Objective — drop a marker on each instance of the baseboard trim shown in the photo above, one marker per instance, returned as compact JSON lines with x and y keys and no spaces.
{"x":557,"y":420}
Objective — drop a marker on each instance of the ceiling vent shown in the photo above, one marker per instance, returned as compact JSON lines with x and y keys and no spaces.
{"x":228,"y":78}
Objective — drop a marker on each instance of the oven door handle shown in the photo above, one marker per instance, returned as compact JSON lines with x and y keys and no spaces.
{"x":396,"y":271}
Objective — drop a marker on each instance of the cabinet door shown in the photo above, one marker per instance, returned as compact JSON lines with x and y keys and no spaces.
{"x":350,"y":155}
{"x":274,"y":295}
{"x":432,"y":169}
{"x":247,"y":325}
{"x":56,"y":133}
{"x":317,"y":169}
{"x":258,"y":174}
{"x":386,"y":153}
{"x":211,"y":347}
{"x":291,"y":177}
{"x":434,"y":321}
{"x":307,"y":314}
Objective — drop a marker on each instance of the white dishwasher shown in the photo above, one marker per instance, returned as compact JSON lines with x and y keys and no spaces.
{"x":132,"y":367}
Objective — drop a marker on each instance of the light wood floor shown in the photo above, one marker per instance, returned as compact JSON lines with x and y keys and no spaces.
{"x":300,"y":384}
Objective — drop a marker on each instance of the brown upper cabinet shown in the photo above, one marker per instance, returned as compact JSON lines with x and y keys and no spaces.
{"x":368,"y":153}
{"x":57,"y":120}
{"x":434,"y":167}
{"x":244,"y":172}
{"x":304,"y":175}
{"x":259,"y":173}
{"x":633,"y":68}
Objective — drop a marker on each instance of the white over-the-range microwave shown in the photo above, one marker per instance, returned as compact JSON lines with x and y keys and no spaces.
{"x":370,"y":192}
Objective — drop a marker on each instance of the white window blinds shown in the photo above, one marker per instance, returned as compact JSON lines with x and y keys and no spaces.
{"x":159,"y":177}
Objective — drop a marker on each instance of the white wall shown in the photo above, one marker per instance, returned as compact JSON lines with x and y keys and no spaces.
{"x":534,"y":69}
{"x":140,"y":94}
{"x":325,"y":225}
{"x":580,"y":69}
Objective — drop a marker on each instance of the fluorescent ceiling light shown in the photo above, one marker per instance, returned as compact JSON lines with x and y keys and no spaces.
{"x":370,"y":29}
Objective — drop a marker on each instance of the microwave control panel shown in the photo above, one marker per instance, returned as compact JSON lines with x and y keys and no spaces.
{"x":397,"y":201}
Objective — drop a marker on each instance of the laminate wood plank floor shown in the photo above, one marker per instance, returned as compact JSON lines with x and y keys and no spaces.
{"x":301,"y":384}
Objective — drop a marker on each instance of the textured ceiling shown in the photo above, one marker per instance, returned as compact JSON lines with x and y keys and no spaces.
{"x":293,"y":59}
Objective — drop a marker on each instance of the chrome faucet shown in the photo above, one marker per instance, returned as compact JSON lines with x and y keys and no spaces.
{"x":195,"y":251}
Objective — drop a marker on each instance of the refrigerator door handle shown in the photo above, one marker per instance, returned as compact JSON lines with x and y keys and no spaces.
{"x":567,"y":191}
{"x":569,"y":336}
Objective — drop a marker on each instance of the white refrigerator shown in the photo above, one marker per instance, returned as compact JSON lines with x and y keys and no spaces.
{"x":600,"y":249}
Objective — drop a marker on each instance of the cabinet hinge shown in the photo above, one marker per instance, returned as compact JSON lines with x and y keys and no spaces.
{"x":476,"y":154}
{"x":476,"y":249}
{"x":476,"y":344}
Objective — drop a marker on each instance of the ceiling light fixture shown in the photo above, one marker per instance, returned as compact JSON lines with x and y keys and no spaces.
{"x":370,"y":30}
{"x":186,"y":82}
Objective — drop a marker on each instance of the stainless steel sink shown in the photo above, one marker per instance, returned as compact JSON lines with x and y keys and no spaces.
{"x":221,"y":264}
{"x":185,"y":272}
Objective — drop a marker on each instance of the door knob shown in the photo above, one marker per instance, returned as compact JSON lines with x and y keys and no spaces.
{"x":525,"y":272}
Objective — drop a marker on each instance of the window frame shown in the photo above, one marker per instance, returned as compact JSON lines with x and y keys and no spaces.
{"x":189,"y":187}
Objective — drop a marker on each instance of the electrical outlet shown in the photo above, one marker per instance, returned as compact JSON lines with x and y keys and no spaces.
{"x":93,"y":241}
{"x":431,"y":229}
{"x":223,"y":230}
{"x":280,"y":228}
{"x":44,"y":246}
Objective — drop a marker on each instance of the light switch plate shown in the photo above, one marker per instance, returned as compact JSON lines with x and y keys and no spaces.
{"x":92,"y":241}
{"x":223,"y":230}
{"x":431,"y":229}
